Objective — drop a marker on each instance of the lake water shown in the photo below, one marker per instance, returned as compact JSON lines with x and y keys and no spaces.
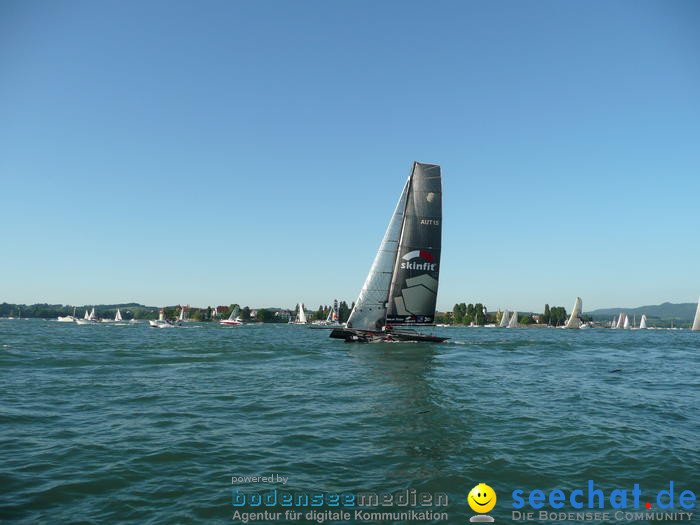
{"x":102,"y":424}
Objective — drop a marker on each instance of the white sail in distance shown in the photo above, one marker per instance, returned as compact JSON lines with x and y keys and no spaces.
{"x":643,"y":322}
{"x":621,"y":320}
{"x":504,"y":319}
{"x":92,"y":313}
{"x":234,"y":313}
{"x":513,"y":323}
{"x":626,"y":326}
{"x":118,"y":317}
{"x":696,"y":321}
{"x":301,"y":316}
{"x":87,"y":315}
{"x":573,"y":321}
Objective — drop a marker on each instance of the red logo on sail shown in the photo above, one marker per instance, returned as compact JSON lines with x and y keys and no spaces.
{"x":418,"y":253}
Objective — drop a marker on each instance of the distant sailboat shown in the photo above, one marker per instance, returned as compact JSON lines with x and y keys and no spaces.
{"x":504,"y":319}
{"x":90,"y":318}
{"x":613,"y":323}
{"x":513,"y":323}
{"x":333,"y":317}
{"x":161,"y":322}
{"x":621,"y":320}
{"x":643,"y":322}
{"x":696,"y":321}
{"x":67,"y":318}
{"x":118,"y":317}
{"x":626,"y":326}
{"x":402,"y":284}
{"x":301,"y":315}
{"x":574,"y":322}
{"x":233,"y":319}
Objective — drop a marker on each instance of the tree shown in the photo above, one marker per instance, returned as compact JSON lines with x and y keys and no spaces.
{"x":479,"y":316}
{"x":245,"y":314}
{"x":547,"y":314}
{"x":344,"y":311}
{"x":265,"y":316}
{"x":457,"y":314}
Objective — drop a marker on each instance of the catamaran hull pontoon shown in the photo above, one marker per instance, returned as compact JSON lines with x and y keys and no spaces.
{"x":391,"y":336}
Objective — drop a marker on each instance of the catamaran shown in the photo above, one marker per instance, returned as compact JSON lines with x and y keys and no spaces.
{"x":233,"y":319}
{"x":574,"y":321}
{"x":402,"y":284}
{"x":301,"y":316}
{"x":513,"y":323}
{"x":696,"y":321}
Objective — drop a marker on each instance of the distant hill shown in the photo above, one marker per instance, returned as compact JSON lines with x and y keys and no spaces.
{"x":679,"y":311}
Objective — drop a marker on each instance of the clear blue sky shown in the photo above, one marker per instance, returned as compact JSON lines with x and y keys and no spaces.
{"x":217,"y":152}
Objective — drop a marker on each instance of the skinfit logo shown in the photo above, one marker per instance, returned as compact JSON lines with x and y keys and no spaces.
{"x":427,"y":264}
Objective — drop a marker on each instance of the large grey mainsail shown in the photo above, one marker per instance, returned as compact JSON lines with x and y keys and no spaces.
{"x":414,"y":284}
{"x":369,"y":312}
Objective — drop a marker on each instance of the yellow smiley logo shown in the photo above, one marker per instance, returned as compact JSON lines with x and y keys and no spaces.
{"x":482,"y":498}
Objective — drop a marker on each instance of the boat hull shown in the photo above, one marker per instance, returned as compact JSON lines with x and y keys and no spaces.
{"x":362,"y":336}
{"x":230,"y":323}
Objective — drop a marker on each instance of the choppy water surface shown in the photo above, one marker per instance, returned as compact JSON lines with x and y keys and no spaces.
{"x":108,"y":423}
